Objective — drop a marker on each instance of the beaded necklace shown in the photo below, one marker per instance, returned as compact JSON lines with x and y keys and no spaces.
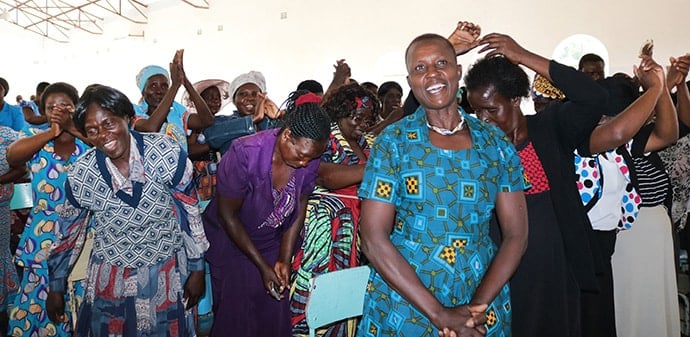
{"x":446,"y":132}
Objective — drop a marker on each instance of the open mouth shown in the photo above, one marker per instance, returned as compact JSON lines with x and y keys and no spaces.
{"x":435,"y":89}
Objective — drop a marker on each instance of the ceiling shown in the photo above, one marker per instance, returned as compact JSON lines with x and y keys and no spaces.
{"x":55,"y":19}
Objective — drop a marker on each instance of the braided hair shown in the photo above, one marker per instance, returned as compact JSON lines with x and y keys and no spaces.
{"x":342,"y":103}
{"x":305,"y":118}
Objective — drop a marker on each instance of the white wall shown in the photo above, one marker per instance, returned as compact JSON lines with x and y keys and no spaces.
{"x":371,"y":35}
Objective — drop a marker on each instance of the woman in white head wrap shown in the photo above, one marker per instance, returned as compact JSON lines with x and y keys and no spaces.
{"x":249,"y":96}
{"x":158,"y":112}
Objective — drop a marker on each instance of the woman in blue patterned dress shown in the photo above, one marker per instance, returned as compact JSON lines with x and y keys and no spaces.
{"x":49,"y":154}
{"x":9,"y":283}
{"x":430,"y":187}
{"x":146,"y":269}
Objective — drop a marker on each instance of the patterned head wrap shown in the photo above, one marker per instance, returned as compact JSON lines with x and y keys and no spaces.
{"x":147,"y":72}
{"x":543,"y":88}
{"x":250,"y":77}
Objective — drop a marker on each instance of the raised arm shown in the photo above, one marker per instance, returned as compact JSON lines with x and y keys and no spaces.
{"x":498,"y":44}
{"x":621,"y":128}
{"x":341,"y":76}
{"x":203,"y":116}
{"x":677,"y":75}
{"x":160,"y":113}
{"x":665,"y":130}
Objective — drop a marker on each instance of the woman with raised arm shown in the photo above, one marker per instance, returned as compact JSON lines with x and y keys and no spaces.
{"x":49,"y":154}
{"x":158,"y":111}
{"x":558,"y":263}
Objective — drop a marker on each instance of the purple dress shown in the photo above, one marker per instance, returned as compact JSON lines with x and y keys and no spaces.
{"x":241,"y":306}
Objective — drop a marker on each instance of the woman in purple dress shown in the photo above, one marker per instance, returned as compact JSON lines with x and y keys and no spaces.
{"x":254,"y":220}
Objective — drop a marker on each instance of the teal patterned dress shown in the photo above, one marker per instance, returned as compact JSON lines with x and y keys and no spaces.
{"x":444,"y":201}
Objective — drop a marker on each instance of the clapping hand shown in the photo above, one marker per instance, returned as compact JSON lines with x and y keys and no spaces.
{"x":465,"y":37}
{"x":678,"y":70}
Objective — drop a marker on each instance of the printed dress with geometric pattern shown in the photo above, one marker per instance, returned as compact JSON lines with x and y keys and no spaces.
{"x":444,"y":200}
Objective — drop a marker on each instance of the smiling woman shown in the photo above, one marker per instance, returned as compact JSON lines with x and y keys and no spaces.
{"x":253,"y":222}
{"x":136,"y":191}
{"x":423,"y":220}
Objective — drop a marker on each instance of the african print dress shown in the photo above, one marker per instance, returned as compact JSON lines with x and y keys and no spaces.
{"x":48,"y":174}
{"x":330,"y":239}
{"x":444,"y":200}
{"x":8,"y":274}
{"x":148,"y":238}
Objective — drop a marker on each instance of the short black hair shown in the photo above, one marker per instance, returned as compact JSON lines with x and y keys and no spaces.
{"x":388,"y":86}
{"x":41,"y":87}
{"x":428,"y":37}
{"x":306,"y":120}
{"x":311,"y":86}
{"x":509,"y":80}
{"x":586,"y":58}
{"x":341,"y":103}
{"x":59,"y":88}
{"x":107,"y":98}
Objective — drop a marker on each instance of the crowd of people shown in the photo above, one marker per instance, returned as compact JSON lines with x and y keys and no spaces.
{"x":474,"y":217}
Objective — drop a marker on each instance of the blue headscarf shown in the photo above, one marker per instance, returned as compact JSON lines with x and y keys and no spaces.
{"x":147,"y":72}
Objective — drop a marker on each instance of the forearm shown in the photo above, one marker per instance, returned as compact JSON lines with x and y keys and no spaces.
{"x":398,"y":273}
{"x":683,"y":105}
{"x":666,"y":124}
{"x":196,"y":150}
{"x":23,"y":149}
{"x":536,"y":62}
{"x":13,"y":174}
{"x":287,"y":243}
{"x":156,"y":119}
{"x":203,"y":117}
{"x":511,"y":212}
{"x":501,"y":269}
{"x":625,"y":125}
{"x":334,"y":176}
{"x":239,"y":236}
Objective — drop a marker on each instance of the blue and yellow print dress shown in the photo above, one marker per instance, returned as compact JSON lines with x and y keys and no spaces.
{"x":444,"y":200}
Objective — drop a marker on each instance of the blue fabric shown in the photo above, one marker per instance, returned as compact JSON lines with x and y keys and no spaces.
{"x":147,"y":72}
{"x":444,"y":201}
{"x":175,"y":125}
{"x":12,"y":116}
